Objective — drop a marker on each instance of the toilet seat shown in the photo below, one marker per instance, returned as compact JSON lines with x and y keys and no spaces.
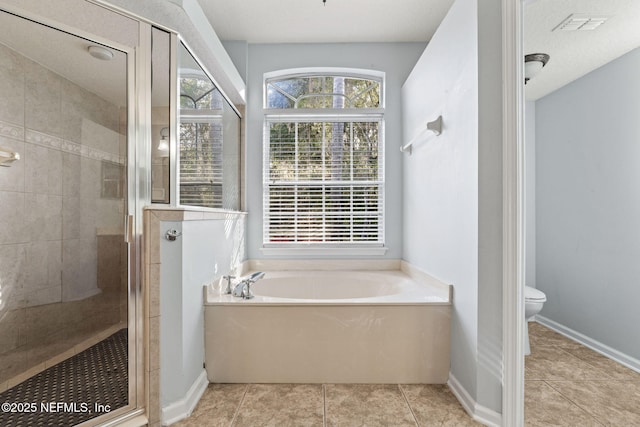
{"x":534,"y":295}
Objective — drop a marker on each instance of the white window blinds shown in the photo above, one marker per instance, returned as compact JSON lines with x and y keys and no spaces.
{"x":201,"y":163}
{"x":324,"y":181}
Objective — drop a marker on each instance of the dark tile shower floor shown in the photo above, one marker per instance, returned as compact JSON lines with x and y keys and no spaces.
{"x":82,"y":387}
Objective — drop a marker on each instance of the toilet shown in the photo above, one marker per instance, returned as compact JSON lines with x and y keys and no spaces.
{"x":533,"y":301}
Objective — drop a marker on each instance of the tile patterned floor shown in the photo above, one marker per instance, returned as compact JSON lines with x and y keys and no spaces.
{"x":327,"y":405}
{"x":567,"y":384}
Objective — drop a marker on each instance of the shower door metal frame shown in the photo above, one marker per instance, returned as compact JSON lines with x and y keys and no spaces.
{"x":138,"y":184}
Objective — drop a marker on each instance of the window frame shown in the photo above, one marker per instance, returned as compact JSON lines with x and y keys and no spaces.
{"x":325,"y":115}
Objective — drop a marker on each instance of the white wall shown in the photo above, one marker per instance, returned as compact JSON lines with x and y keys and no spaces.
{"x":588,"y":204}
{"x":452,"y":186}
{"x":207,"y":250}
{"x":395,"y":59}
{"x":440,"y":233}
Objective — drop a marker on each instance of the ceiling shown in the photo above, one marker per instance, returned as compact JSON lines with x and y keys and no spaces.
{"x":576,"y":53}
{"x":336,"y":21}
{"x":573,"y":54}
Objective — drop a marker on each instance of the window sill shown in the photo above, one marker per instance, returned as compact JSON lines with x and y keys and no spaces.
{"x":327,"y":252}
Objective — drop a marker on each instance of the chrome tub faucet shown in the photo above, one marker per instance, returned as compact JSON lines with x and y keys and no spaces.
{"x":243,"y":289}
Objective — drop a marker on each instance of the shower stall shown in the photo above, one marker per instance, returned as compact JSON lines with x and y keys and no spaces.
{"x":67,"y":289}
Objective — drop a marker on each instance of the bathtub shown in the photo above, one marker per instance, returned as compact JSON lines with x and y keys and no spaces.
{"x":330,"y":326}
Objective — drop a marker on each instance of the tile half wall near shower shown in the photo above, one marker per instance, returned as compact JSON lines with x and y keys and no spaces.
{"x":63,"y":261}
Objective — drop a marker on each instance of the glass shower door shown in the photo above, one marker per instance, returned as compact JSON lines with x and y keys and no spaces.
{"x":64,"y":264}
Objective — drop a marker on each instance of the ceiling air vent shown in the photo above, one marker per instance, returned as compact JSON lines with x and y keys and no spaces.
{"x":581,"y":22}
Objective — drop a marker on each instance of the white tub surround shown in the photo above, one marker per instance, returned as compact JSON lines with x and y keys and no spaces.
{"x":338,"y":326}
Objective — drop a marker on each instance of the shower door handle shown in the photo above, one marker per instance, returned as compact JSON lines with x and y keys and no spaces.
{"x":129,"y":229}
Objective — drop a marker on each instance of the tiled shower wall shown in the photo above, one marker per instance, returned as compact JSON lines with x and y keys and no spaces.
{"x":63,"y":261}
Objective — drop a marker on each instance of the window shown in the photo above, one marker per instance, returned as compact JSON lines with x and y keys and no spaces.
{"x":209,"y":141}
{"x":323,"y":175}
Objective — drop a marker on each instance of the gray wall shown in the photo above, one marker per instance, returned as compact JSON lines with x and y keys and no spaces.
{"x":530,"y":192}
{"x":588,"y":204}
{"x":490,"y":205}
{"x":452,"y":188}
{"x":395,"y":59}
{"x":239,"y":53}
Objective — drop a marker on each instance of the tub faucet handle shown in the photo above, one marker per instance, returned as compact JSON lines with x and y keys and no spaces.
{"x":228,"y":279}
{"x":246,"y":291}
{"x":243,"y":289}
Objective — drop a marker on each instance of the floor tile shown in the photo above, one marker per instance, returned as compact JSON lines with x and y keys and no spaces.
{"x":554,"y":363}
{"x":613,"y":368}
{"x":435,"y":405}
{"x":542,"y":336}
{"x":543,"y":406}
{"x":371,"y":405}
{"x":576,"y":377}
{"x":281,"y":405}
{"x":217,"y":406}
{"x":566,"y":384}
{"x":614,"y":403}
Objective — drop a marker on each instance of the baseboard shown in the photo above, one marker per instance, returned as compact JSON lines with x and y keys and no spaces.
{"x":181,"y":409}
{"x":476,"y":411}
{"x":624,"y":359}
